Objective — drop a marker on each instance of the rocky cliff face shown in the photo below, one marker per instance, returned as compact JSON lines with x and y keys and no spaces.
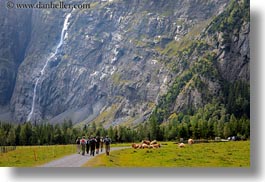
{"x":14,"y":38}
{"x":231,"y":62}
{"x":212,"y":68}
{"x":109,"y":68}
{"x":227,"y":38}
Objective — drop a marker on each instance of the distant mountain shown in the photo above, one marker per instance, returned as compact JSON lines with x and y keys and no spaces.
{"x":121,"y":62}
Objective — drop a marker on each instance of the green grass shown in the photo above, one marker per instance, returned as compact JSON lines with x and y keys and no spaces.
{"x":117,"y":80}
{"x":30,"y":156}
{"x":120,"y":144}
{"x":223,"y":154}
{"x":173,"y":47}
{"x":103,"y":118}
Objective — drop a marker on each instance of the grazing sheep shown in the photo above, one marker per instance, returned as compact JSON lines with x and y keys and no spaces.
{"x":146,"y":142}
{"x":144,"y":146}
{"x":157,"y":145}
{"x":181,"y":145}
{"x":190,"y":141}
{"x":134,"y":145}
{"x":150,"y":146}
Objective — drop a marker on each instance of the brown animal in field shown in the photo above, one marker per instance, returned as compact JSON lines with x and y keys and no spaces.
{"x":181,"y":145}
{"x":153,"y":142}
{"x":150,"y":146}
{"x":135,"y":146}
{"x":144,"y":146}
{"x":147,"y":142}
{"x":157,"y":145}
{"x":190,"y":141}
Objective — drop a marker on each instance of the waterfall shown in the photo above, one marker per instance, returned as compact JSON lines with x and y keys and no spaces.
{"x":58,"y":46}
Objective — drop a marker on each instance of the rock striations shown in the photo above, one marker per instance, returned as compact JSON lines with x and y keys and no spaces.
{"x":115,"y":61}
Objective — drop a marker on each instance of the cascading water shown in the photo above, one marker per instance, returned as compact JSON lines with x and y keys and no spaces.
{"x":53,"y":55}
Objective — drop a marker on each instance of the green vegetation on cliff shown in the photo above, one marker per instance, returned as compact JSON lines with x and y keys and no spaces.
{"x":197,"y":67}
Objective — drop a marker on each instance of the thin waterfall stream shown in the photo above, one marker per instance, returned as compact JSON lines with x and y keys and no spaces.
{"x":53,"y":55}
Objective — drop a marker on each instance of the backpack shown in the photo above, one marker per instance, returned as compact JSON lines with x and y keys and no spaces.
{"x":107,"y":141}
{"x":78,"y":141}
{"x":83,"y":142}
{"x":92,"y":142}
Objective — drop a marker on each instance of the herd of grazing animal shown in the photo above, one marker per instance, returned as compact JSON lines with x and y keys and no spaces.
{"x":146,"y":144}
{"x":154,"y":144}
{"x":190,"y":142}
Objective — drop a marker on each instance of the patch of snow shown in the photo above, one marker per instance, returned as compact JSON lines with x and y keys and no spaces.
{"x":95,"y":73}
{"x":176,"y":38}
{"x":113,"y":70}
{"x":103,"y":75}
{"x":165,"y":80}
{"x":120,"y":19}
{"x":81,"y":70}
{"x":178,"y":28}
{"x":117,"y":37}
{"x":153,"y":61}
{"x":115,"y":52}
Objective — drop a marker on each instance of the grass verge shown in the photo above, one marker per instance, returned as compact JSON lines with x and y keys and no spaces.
{"x":223,"y":154}
{"x":30,"y":156}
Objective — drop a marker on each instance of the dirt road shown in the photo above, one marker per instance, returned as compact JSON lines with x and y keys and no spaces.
{"x":75,"y":160}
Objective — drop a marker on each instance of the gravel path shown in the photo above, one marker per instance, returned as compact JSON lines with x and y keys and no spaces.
{"x":75,"y":160}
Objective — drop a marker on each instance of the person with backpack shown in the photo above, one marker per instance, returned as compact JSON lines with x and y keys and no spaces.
{"x":107,"y":142}
{"x":87,"y":145}
{"x":97,"y":144}
{"x":101,"y":144}
{"x":78,"y":145}
{"x":83,"y":145}
{"x":92,"y":146}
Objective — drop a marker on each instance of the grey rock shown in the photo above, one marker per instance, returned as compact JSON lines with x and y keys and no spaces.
{"x":108,"y":58}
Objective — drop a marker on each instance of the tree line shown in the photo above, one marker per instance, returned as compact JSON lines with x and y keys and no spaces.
{"x":208,"y":122}
{"x":40,"y":134}
{"x":212,"y":120}
{"x":48,"y":134}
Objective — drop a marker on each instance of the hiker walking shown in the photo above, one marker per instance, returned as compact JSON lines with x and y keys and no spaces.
{"x":83,"y":145}
{"x":97,"y":144}
{"x":101,"y":144}
{"x":107,"y":142}
{"x":87,"y":145}
{"x":78,"y":145}
{"x":92,"y":146}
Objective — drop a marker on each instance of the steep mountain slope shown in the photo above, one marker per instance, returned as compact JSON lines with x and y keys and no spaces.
{"x":14,"y":38}
{"x":213,"y":69}
{"x":116,"y":61}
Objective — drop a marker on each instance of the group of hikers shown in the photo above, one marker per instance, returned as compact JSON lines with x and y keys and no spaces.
{"x":92,"y":145}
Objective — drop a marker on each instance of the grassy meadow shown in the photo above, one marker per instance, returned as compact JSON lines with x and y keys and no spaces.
{"x":222,"y":154}
{"x":30,"y":156}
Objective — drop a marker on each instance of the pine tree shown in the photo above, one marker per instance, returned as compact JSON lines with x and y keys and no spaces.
{"x":25,"y":134}
{"x":154,"y":128}
{"x":2,"y":137}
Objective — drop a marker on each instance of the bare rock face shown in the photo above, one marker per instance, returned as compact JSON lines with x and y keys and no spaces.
{"x":14,"y":38}
{"x":234,"y":55}
{"x":108,"y":61}
{"x":227,"y":61}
